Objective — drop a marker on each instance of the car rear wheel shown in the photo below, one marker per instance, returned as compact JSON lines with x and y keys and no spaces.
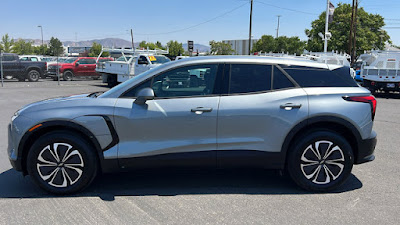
{"x":33,"y":75}
{"x":68,"y":75}
{"x":62,"y":162}
{"x":320,"y":161}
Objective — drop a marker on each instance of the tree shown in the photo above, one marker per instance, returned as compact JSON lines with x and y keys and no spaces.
{"x":159,"y":45}
{"x":96,"y":49}
{"x":175,"y":48}
{"x":369,"y":31}
{"x":55,"y":46}
{"x":22,"y":47}
{"x":6,"y":43}
{"x":41,"y":50}
{"x":221,"y":48}
{"x":267,"y":43}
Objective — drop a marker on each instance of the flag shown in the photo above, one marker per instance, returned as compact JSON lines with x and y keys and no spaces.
{"x":331,"y":11}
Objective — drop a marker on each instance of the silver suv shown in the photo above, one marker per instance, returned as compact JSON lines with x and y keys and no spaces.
{"x":309,"y":118}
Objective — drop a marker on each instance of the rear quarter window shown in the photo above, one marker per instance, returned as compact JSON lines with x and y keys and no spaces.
{"x":316,"y":77}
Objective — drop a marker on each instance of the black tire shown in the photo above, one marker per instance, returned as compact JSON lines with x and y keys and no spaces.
{"x":335,"y":168}
{"x":48,"y":167}
{"x":68,"y":75}
{"x":33,"y":75}
{"x":112,"y":80}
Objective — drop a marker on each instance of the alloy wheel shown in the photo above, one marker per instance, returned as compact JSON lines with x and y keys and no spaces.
{"x":60,"y":165}
{"x":322,"y":162}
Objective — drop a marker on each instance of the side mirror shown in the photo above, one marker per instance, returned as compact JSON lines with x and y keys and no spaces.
{"x":143,"y":95}
{"x":77,"y":64}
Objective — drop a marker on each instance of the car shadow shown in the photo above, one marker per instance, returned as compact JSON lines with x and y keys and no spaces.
{"x":170,"y":183}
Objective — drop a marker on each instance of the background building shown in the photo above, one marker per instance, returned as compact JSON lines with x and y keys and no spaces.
{"x":241,"y":47}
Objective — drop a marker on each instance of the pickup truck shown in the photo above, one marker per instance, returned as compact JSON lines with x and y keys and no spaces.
{"x":128,"y":66}
{"x":76,"y":67}
{"x":13,"y":67}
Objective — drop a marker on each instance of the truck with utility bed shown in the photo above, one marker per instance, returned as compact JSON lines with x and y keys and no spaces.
{"x":13,"y":67}
{"x":129,"y":64}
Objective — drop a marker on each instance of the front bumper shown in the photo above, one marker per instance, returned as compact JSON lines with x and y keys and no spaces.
{"x":12,"y":153}
{"x":366,"y":150}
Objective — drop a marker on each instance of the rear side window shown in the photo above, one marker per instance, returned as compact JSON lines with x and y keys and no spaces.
{"x":247,"y":78}
{"x":316,"y":77}
{"x":280,"y":80}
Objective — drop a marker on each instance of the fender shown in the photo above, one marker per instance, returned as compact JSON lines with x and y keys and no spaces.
{"x":314,"y":120}
{"x":106,"y":165}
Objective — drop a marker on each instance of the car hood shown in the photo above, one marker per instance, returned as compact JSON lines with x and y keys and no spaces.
{"x":45,"y":103}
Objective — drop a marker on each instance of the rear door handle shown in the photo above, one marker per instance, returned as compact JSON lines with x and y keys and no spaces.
{"x":290,"y":106}
{"x":200,"y":110}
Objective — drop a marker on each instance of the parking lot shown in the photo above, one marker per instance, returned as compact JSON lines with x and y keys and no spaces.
{"x":370,"y":196}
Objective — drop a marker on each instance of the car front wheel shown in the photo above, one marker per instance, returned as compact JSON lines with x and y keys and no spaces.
{"x":62,"y":162}
{"x":320,"y":161}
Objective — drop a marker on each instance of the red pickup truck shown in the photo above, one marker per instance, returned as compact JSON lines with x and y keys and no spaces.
{"x":76,"y":67}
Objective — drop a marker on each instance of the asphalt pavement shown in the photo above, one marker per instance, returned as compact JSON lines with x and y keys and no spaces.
{"x":370,"y":196}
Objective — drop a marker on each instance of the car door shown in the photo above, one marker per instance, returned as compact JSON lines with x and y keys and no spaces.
{"x":142,"y":65}
{"x":10,"y":65}
{"x":80,"y":67}
{"x":90,"y":67}
{"x":177,"y":128}
{"x":260,"y":107}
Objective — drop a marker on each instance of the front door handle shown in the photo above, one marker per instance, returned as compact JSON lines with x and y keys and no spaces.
{"x":200,"y":110}
{"x":290,"y":106}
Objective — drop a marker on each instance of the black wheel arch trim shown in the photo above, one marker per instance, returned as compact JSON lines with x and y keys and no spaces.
{"x":318,"y":119}
{"x":106,"y":165}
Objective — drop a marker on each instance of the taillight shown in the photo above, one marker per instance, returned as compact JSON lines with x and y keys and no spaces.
{"x":373,"y":83}
{"x":366,"y":99}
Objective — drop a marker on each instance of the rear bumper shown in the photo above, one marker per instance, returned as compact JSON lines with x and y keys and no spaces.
{"x":366,"y":150}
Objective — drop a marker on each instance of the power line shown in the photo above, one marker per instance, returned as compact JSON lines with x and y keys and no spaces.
{"x":196,"y":25}
{"x":293,"y":10}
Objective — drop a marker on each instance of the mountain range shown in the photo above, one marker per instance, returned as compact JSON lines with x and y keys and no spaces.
{"x":113,"y":42}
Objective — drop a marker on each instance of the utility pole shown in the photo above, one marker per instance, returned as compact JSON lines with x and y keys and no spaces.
{"x":277,"y":29}
{"x":351,"y":31}
{"x":41,"y":30}
{"x":133,"y":45}
{"x":353,"y":56}
{"x":1,"y":67}
{"x":251,"y":16}
{"x":326,"y":27}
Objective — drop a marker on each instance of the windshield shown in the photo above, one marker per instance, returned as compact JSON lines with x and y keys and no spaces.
{"x":122,"y":58}
{"x":131,"y":82}
{"x":158,"y":59}
{"x":70,"y":60}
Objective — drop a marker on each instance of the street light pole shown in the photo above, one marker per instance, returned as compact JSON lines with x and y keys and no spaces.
{"x":251,"y":16}
{"x":41,"y":31}
{"x":326,"y":27}
{"x":277,"y":29}
{"x":1,"y":67}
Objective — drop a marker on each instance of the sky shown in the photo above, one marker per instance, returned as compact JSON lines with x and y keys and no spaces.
{"x":164,"y":20}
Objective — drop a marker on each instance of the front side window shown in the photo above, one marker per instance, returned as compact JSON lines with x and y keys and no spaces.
{"x":246,"y":78}
{"x":90,"y":61}
{"x":143,"y":60}
{"x":186,"y":81}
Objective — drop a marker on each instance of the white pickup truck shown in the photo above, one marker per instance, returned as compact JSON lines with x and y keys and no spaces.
{"x":129,"y":65}
{"x":380,"y":71}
